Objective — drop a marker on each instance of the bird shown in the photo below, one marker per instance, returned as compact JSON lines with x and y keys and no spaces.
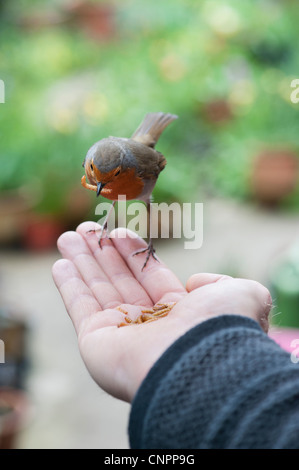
{"x":129,"y":167}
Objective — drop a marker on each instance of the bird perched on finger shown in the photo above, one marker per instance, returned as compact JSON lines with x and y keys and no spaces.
{"x":118,"y":166}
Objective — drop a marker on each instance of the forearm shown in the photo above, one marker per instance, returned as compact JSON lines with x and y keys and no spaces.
{"x":224,"y":384}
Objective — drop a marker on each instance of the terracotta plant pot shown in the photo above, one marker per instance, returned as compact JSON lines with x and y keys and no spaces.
{"x":13,"y":334}
{"x":41,"y":233}
{"x":217,"y":111}
{"x":274,"y":175}
{"x":15,"y":206}
{"x":97,"y":20}
{"x":13,"y":411}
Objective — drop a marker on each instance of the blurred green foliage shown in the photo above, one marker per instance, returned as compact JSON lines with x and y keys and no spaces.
{"x":65,"y":90}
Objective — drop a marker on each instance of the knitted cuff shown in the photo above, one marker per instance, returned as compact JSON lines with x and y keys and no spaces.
{"x":200,"y":378}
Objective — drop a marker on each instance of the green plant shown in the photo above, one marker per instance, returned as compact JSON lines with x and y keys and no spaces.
{"x":65,"y":91}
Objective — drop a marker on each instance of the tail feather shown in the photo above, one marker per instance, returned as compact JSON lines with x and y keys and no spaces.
{"x":152,"y":127}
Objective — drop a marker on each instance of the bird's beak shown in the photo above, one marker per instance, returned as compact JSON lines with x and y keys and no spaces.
{"x":99,"y":188}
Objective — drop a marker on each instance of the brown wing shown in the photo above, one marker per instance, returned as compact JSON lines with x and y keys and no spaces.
{"x":149,"y":161}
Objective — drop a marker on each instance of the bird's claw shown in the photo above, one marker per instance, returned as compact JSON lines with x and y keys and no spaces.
{"x":102,"y":230}
{"x":150,"y":252}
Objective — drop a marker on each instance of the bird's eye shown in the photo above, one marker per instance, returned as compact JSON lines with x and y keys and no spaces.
{"x":91,"y":167}
{"x":117,"y":173}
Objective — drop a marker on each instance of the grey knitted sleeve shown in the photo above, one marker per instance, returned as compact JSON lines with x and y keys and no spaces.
{"x":224,"y":384}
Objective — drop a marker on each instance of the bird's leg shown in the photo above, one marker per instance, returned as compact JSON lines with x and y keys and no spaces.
{"x":150,"y":248}
{"x":104,"y":226}
{"x":150,"y":252}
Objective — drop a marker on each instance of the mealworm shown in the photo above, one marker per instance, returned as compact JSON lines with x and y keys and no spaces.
{"x":159,"y":310}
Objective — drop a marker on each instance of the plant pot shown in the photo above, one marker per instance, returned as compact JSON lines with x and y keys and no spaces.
{"x":97,"y":20}
{"x":13,"y":335}
{"x":217,"y":111}
{"x":15,"y":206}
{"x":41,"y":232}
{"x":274,"y":175}
{"x":13,"y":411}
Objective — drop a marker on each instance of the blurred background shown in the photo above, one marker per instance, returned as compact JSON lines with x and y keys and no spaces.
{"x":78,"y":71}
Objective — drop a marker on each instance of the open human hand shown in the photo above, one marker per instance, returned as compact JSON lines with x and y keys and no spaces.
{"x":94,"y":282}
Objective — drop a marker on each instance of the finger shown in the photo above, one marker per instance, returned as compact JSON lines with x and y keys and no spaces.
{"x":158,"y":280}
{"x":201,"y":279}
{"x":73,"y":247}
{"x":77,"y":297}
{"x":114,"y":266}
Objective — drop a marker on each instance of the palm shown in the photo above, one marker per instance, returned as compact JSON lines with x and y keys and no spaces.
{"x":96,"y":284}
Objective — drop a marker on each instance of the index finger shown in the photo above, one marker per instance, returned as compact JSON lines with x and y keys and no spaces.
{"x":73,"y":247}
{"x":114,"y":267}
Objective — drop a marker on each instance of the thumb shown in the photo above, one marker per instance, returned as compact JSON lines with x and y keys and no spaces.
{"x":202,"y":279}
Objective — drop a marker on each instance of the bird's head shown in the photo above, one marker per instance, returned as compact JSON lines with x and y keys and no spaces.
{"x":103,"y":163}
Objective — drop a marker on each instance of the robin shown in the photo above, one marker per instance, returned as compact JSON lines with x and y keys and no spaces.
{"x":118,"y":166}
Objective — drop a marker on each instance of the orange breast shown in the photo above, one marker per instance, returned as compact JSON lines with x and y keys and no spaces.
{"x":125,"y":184}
